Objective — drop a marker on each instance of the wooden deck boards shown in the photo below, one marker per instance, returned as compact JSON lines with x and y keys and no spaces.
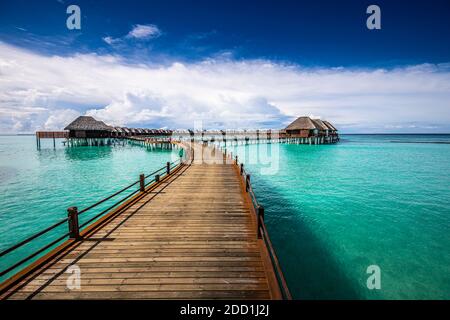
{"x":193,"y":237}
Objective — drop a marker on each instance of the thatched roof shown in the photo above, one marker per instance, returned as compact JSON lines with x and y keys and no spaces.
{"x":87,"y":123}
{"x":320,"y":124}
{"x":328,"y":124}
{"x":302,"y":123}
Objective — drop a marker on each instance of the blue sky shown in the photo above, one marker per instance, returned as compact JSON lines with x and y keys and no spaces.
{"x":226,"y":64}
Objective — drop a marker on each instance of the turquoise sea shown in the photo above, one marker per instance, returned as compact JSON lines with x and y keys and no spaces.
{"x":331,"y":210}
{"x":37,"y":186}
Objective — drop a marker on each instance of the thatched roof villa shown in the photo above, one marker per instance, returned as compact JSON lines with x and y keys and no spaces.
{"x":88,"y":127}
{"x":330,"y":126}
{"x":320,"y":125}
{"x":307,"y":130}
{"x":304,"y":127}
{"x":303,"y":130}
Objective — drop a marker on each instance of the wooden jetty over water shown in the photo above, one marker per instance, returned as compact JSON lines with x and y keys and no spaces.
{"x":191,"y":230}
{"x":50,"y":135}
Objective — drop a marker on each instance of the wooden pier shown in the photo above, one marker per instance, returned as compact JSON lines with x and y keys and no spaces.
{"x":50,"y":135}
{"x":193,"y":234}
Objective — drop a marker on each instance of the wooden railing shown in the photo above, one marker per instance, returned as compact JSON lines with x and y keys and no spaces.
{"x":72,"y":219}
{"x":261,"y":227}
{"x":52,"y":134}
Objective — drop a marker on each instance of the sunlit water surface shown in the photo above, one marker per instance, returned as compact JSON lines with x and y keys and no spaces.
{"x":37,"y":186}
{"x":334,"y":210}
{"x":331,"y":210}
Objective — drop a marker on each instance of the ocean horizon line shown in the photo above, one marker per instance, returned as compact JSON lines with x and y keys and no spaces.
{"x":342,"y":133}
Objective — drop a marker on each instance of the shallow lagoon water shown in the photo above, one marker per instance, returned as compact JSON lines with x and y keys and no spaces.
{"x":333,"y":210}
{"x":37,"y":186}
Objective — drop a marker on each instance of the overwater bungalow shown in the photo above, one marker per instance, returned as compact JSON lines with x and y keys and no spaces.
{"x":118,"y":132}
{"x":126,"y":131}
{"x":88,"y":127}
{"x":167,"y":132}
{"x":302,"y":127}
{"x":321,"y":127}
{"x":330,"y":126}
{"x":311,"y":131}
{"x":85,"y":130}
{"x":332,"y":133}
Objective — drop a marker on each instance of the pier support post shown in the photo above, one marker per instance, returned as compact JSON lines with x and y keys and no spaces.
{"x":142,"y":182}
{"x":74,"y":229}
{"x":242,"y":168}
{"x":260,"y":216}
{"x":157,"y":178}
{"x":236,"y":160}
{"x":38,"y":141}
{"x":247,"y":183}
{"x":168,"y":167}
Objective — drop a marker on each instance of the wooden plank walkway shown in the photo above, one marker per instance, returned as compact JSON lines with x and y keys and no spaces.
{"x":193,"y":236}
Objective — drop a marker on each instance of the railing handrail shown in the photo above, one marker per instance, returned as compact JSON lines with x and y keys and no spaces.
{"x":279,"y":273}
{"x":265,"y":235}
{"x":107,"y":198}
{"x":16,"y":246}
{"x":157,"y":171}
{"x":36,"y":235}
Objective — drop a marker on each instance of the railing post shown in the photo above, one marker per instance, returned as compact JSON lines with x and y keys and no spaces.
{"x":236,"y":160}
{"x":142,"y":182}
{"x":260,"y":216}
{"x":168,"y":167}
{"x":242,"y":168}
{"x":74,"y":230}
{"x":247,"y":183}
{"x":157,"y":178}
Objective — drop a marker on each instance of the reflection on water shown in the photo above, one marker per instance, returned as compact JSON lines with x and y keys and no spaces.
{"x":88,"y":153}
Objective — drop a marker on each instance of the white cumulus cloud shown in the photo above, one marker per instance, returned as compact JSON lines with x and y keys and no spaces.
{"x":110,"y":40}
{"x":46,"y":92}
{"x":138,"y":32}
{"x":144,"y":31}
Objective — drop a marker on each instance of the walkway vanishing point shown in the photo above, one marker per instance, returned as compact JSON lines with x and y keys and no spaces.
{"x":195,"y":234}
